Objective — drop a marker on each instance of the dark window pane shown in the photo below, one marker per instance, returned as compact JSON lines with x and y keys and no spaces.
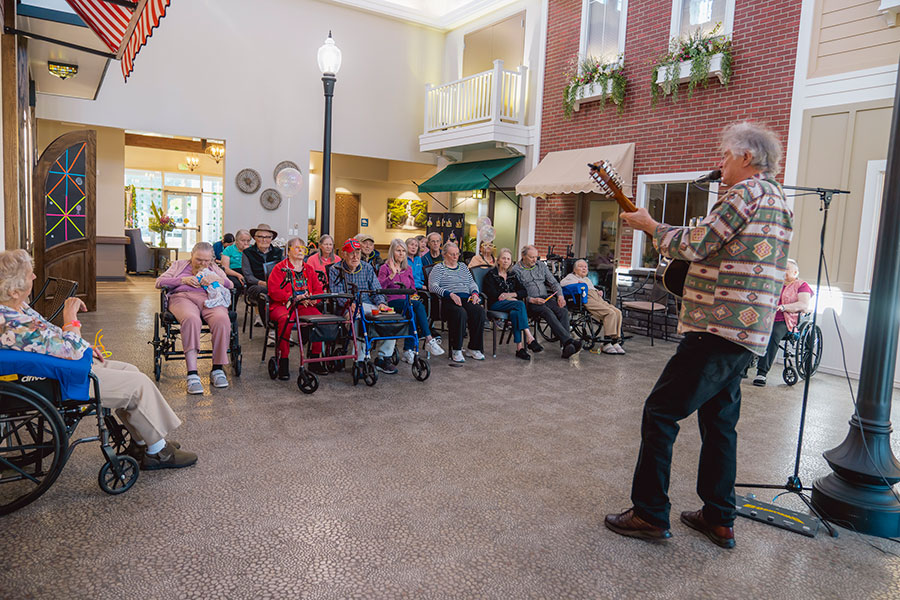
{"x":697,"y":202}
{"x":656,"y":192}
{"x":675,"y":201}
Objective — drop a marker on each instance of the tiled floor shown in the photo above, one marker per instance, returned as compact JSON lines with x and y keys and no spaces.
{"x":486,"y":481}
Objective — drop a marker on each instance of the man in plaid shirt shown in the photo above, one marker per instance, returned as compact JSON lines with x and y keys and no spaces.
{"x":738,"y":257}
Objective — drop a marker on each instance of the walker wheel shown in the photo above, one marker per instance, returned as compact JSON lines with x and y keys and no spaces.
{"x":157,"y":364}
{"x":395,"y":357}
{"x":307,"y":382}
{"x":357,"y":375}
{"x":237,"y":357}
{"x":273,"y":368}
{"x":421,"y":370}
{"x":369,"y":375}
{"x":790,"y":376}
{"x":111,"y":484}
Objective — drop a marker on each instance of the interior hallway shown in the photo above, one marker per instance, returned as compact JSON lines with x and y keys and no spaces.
{"x":486,"y":481}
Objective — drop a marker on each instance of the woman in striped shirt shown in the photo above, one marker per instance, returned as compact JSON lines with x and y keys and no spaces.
{"x":461,"y":305}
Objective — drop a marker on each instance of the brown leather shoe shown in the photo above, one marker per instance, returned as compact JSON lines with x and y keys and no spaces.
{"x":718,"y":534}
{"x":169,"y":457}
{"x":628,"y":523}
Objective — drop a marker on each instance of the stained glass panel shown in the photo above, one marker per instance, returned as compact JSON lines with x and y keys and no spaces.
{"x":65,"y":198}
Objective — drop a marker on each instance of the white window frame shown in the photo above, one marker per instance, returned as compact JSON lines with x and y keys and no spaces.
{"x":585,"y":21}
{"x":868,"y":226}
{"x":643,"y":184}
{"x":675,"y":26}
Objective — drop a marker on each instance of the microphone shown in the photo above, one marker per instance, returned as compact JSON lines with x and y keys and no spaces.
{"x":715,"y":175}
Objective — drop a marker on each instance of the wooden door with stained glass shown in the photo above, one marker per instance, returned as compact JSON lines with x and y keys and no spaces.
{"x":64,"y":199}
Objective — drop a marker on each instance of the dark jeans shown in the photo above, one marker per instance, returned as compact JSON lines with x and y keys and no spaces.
{"x":557,"y":318}
{"x":703,"y":376}
{"x":779,"y":332}
{"x":458,"y":318}
{"x":421,"y":318}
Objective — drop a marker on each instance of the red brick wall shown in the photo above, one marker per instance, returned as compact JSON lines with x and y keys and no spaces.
{"x":555,"y":223}
{"x":668,"y":137}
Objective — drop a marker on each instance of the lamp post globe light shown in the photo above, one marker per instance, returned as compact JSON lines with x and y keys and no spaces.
{"x":329,"y":59}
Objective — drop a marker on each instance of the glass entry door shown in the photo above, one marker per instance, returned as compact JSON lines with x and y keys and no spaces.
{"x":185,"y":209}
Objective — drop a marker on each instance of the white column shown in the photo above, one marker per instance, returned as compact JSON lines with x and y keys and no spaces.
{"x":496,"y":90}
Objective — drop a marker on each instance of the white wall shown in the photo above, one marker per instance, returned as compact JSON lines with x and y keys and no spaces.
{"x":246,"y":73}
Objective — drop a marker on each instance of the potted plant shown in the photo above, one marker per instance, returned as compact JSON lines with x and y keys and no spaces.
{"x":692,"y":59}
{"x":160,"y":223}
{"x":593,"y":79}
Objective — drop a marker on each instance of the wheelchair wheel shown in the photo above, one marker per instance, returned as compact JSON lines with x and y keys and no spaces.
{"x":587,"y":330}
{"x":545,"y":330}
{"x":33,"y":443}
{"x":119,"y":436}
{"x":157,"y":350}
{"x":307,"y":382}
{"x":273,"y":367}
{"x":112,"y":484}
{"x":790,"y":375}
{"x":237,"y":358}
{"x":421,"y":370}
{"x":370,"y":376}
{"x":809,"y":347}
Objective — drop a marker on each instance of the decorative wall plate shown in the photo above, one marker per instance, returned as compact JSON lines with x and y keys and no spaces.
{"x":248,"y":181}
{"x":284,"y":165}
{"x":270,"y":199}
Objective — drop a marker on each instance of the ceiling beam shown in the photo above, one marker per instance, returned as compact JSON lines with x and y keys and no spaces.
{"x":164,"y":143}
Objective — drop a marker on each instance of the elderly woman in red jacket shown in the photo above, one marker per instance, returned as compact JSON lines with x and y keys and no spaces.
{"x":305,"y":283}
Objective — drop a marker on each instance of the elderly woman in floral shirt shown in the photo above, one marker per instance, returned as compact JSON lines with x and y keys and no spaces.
{"x":129,"y":392}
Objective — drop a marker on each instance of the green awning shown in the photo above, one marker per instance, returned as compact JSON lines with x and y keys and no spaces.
{"x":460,"y":177}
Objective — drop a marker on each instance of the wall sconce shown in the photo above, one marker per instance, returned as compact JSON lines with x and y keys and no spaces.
{"x":216,"y":152}
{"x":62,"y":70}
{"x":478,"y":194}
{"x":192,"y":162}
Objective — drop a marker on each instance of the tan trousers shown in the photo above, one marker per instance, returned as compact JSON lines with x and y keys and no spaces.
{"x":603,"y":311}
{"x":136,"y":401}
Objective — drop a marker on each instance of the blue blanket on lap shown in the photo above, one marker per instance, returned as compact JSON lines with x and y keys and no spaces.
{"x":72,"y":375}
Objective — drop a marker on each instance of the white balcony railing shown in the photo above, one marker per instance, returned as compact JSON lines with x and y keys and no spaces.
{"x":494,"y":96}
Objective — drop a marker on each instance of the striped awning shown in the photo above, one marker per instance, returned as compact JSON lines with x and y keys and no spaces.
{"x":122,"y":25}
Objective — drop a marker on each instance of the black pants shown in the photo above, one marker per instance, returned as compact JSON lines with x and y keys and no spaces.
{"x":458,"y":318}
{"x":703,"y":376}
{"x":238,"y":286}
{"x":779,"y":332}
{"x":557,"y":318}
{"x":253,"y":292}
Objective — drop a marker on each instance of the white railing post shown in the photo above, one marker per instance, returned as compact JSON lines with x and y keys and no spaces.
{"x":428,"y":88}
{"x":523,"y":90}
{"x":496,"y":90}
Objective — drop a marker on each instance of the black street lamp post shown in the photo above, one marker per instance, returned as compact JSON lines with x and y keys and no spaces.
{"x":329,"y":58}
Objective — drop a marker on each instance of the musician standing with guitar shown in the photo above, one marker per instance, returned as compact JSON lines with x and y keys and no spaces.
{"x":738,"y":256}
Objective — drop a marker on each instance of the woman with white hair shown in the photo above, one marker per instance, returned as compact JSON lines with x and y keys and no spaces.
{"x":186,"y":281}
{"x":793,"y":302}
{"x":134,"y":397}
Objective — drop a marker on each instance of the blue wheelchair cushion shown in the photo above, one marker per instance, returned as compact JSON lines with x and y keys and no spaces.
{"x":74,"y":383}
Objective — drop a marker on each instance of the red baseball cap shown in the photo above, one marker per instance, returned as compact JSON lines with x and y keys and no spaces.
{"x":351,"y":245}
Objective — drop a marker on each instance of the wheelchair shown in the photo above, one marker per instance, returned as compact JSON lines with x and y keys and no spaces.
{"x":38,"y":419}
{"x":582,"y":322}
{"x":799,"y":347}
{"x":165,"y":333}
{"x":388,"y":326}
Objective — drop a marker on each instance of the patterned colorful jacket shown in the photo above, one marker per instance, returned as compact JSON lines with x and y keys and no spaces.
{"x":739,"y":256}
{"x":30,"y":332}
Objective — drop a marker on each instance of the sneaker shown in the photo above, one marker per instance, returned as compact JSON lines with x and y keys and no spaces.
{"x":194,"y":385}
{"x":609,"y":349}
{"x":759,"y":381}
{"x":619,"y":348}
{"x":384,"y":364}
{"x":270,"y":342}
{"x":523,"y":354}
{"x":217,"y":379}
{"x":535,"y":346}
{"x":434,"y":346}
{"x":457,"y":356}
{"x":476,"y":354}
{"x":408,"y":356}
{"x":169,"y":457}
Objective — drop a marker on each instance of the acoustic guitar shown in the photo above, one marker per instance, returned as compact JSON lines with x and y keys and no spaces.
{"x":610,"y":183}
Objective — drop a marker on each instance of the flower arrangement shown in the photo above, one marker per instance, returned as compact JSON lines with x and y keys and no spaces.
{"x":698,"y":48}
{"x":591,"y":71}
{"x":160,"y":223}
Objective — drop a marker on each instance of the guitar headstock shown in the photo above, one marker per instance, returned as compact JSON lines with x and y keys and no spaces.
{"x":610,"y":183}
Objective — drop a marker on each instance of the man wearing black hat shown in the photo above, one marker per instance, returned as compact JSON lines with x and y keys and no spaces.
{"x":257,"y":257}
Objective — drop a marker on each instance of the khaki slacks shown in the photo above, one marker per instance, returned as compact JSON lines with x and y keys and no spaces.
{"x":603,"y":311}
{"x":136,"y":400}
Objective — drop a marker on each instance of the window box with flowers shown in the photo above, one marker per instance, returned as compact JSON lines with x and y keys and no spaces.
{"x":694,"y":59}
{"x":592,"y":80}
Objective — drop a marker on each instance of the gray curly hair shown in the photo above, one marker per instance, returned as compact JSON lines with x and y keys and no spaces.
{"x":14,"y":268}
{"x":756,"y":139}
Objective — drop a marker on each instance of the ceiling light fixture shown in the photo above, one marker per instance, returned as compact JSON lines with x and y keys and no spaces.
{"x":216,"y":152}
{"x":62,"y":70}
{"x":192,"y":162}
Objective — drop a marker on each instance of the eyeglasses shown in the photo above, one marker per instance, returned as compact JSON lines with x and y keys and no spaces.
{"x":263,"y":237}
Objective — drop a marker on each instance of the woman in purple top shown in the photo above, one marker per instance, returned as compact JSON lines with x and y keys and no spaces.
{"x":187,"y":297}
{"x":396,"y":273}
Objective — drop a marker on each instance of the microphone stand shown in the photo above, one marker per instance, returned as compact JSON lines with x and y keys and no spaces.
{"x":770,"y":513}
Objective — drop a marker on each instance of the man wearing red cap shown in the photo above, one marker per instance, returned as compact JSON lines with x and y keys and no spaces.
{"x":351,"y":275}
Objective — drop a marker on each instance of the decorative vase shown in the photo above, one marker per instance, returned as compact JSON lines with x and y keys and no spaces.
{"x":162,"y":240}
